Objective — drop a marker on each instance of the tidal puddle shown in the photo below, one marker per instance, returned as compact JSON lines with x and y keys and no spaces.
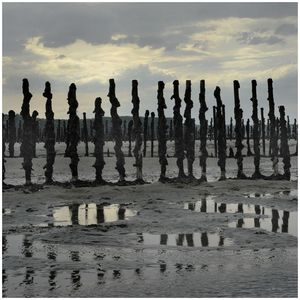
{"x":269,"y":219}
{"x":292,"y":193}
{"x":89,"y":214}
{"x":196,"y":239}
{"x":6,"y":211}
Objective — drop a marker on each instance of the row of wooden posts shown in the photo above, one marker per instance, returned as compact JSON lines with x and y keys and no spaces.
{"x":184,"y":133}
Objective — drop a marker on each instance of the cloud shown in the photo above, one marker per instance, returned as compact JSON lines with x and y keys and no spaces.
{"x":287,"y":29}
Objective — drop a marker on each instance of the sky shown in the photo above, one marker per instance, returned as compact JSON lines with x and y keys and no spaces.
{"x":89,"y":43}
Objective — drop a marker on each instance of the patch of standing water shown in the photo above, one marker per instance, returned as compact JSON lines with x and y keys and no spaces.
{"x":89,"y":214}
{"x":276,"y":220}
{"x":196,"y":239}
{"x":6,"y":211}
{"x":292,"y":193}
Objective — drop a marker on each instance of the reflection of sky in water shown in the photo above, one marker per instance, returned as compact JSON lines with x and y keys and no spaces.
{"x":90,"y":214}
{"x":196,"y":239}
{"x":275,"y":221}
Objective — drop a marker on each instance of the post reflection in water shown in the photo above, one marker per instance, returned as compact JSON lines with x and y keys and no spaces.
{"x":197,"y":239}
{"x":27,"y":247}
{"x":75,"y":276}
{"x":90,"y":214}
{"x":4,"y":244}
{"x":272,"y":220}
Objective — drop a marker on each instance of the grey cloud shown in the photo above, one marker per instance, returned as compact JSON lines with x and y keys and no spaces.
{"x":286,"y":29}
{"x":62,"y":23}
{"x":252,"y":38}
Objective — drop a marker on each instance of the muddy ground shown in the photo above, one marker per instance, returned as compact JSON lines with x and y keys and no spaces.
{"x":235,"y":238}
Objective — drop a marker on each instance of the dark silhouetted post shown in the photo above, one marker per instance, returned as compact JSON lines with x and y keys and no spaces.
{"x":35,"y":130}
{"x":130,"y":125}
{"x":230,"y":129}
{"x":220,"y":124}
{"x":178,"y":129}
{"x":288,"y":128}
{"x":28,"y":140}
{"x":249,"y":153}
{"x":20,"y":133}
{"x":171,"y":131}
{"x":116,"y":130}
{"x":99,"y":140}
{"x":152,"y":133}
{"x":124,"y":130}
{"x":285,"y":151}
{"x":11,"y":132}
{"x":91,"y":136}
{"x":263,"y":130}
{"x":189,"y":129}
{"x":203,"y":130}
{"x":238,"y":114}
{"x":215,"y":131}
{"x":137,"y":129}
{"x":145,"y":132}
{"x":3,"y":150}
{"x":49,"y":134}
{"x":162,"y":131}
{"x":85,"y":135}
{"x":256,"y":134}
{"x":73,"y":132}
{"x":106,"y":131}
{"x":273,"y":134}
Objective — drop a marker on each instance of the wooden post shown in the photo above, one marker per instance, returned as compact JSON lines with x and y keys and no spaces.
{"x":152,"y":133}
{"x":85,"y":135}
{"x":263,"y":130}
{"x":49,"y":135}
{"x":145,"y":132}
{"x":215,"y":131}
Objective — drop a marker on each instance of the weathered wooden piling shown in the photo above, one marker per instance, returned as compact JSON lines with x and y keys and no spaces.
{"x":145,"y":132}
{"x":49,"y":135}
{"x":263,"y":133}
{"x":28,"y":139}
{"x":85,"y":135}
{"x":35,"y":130}
{"x":285,"y":151}
{"x":215,"y":131}
{"x":162,"y":131}
{"x":238,"y":114}
{"x":20,"y":132}
{"x":3,"y":150}
{"x":273,"y":132}
{"x":130,"y":125}
{"x":230,"y":129}
{"x":171,"y":133}
{"x":249,"y":152}
{"x":289,"y":132}
{"x":99,"y":140}
{"x":137,"y":129}
{"x":189,"y":129}
{"x":221,"y":133}
{"x":256,"y":134}
{"x":73,"y":132}
{"x":116,"y":130}
{"x":64,"y":135}
{"x":178,"y":130}
{"x":152,"y":132}
{"x":90,"y":135}
{"x":11,"y":132}
{"x":203,"y":131}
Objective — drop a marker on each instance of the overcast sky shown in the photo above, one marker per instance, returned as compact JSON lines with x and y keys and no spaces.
{"x":89,"y":43}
